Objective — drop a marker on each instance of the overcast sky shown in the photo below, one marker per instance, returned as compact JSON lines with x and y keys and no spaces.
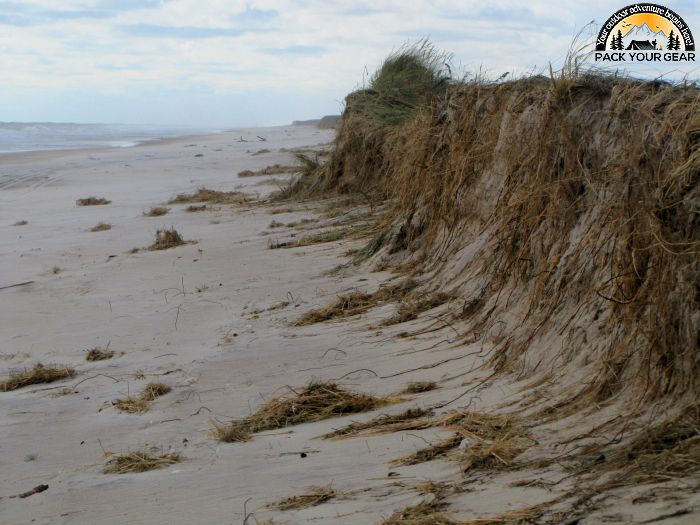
{"x":218,"y":63}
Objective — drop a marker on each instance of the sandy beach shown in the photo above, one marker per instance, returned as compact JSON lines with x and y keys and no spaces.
{"x":213,"y":320}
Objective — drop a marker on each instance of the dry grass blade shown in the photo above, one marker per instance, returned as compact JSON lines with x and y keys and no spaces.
{"x":157,"y":211}
{"x":38,"y":374}
{"x":142,"y":402}
{"x":315,"y":496}
{"x":92,"y":201}
{"x":167,"y":238}
{"x":99,"y":354}
{"x":140,"y":461}
{"x":316,"y":402}
{"x":101,"y":227}
{"x":211,"y":196}
{"x":411,"y":419}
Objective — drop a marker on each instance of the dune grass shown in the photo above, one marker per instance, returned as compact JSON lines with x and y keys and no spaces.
{"x":140,"y":461}
{"x":315,"y":496}
{"x":210,"y":196}
{"x":275,"y":169}
{"x":142,"y":402}
{"x":38,"y":374}
{"x":317,"y":401}
{"x":354,"y":303}
{"x":101,"y":227}
{"x":167,"y":238}
{"x":99,"y":354}
{"x":157,"y":211}
{"x":92,"y":201}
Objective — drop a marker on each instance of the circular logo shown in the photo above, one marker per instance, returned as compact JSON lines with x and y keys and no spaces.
{"x":645,"y":27}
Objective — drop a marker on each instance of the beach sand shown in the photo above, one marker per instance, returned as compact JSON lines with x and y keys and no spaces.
{"x":199,"y":319}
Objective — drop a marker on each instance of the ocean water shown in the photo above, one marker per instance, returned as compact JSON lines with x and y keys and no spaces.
{"x":40,"y":136}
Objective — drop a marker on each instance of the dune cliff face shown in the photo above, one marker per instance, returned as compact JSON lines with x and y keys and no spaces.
{"x":563,"y":212}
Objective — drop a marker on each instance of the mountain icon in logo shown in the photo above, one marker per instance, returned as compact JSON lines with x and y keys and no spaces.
{"x":643,"y":33}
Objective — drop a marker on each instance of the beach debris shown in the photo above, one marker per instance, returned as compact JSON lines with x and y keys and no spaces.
{"x":195,"y":208}
{"x":156,"y":211}
{"x":140,"y":461}
{"x":25,"y":283}
{"x":36,"y":490}
{"x":142,"y":402}
{"x":199,"y":155}
{"x":101,"y":227}
{"x":92,"y":201}
{"x":317,"y":401}
{"x":38,"y":374}
{"x":315,"y":496}
{"x":21,"y":223}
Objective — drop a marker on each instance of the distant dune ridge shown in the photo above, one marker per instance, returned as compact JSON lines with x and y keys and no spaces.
{"x":327,"y":122}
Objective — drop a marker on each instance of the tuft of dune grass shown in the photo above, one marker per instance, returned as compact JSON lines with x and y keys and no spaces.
{"x":92,"y":201}
{"x":356,"y":302}
{"x":140,"y":461}
{"x":315,"y":496}
{"x":157,"y":211}
{"x":315,"y":402}
{"x":99,"y":354}
{"x":142,"y":402}
{"x":39,"y":374}
{"x":167,"y":238}
{"x":101,"y":227}
{"x":211,"y":196}
{"x":416,"y":387}
{"x":275,"y":169}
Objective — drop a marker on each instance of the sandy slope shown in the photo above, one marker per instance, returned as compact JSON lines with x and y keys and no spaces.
{"x":183,"y":316}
